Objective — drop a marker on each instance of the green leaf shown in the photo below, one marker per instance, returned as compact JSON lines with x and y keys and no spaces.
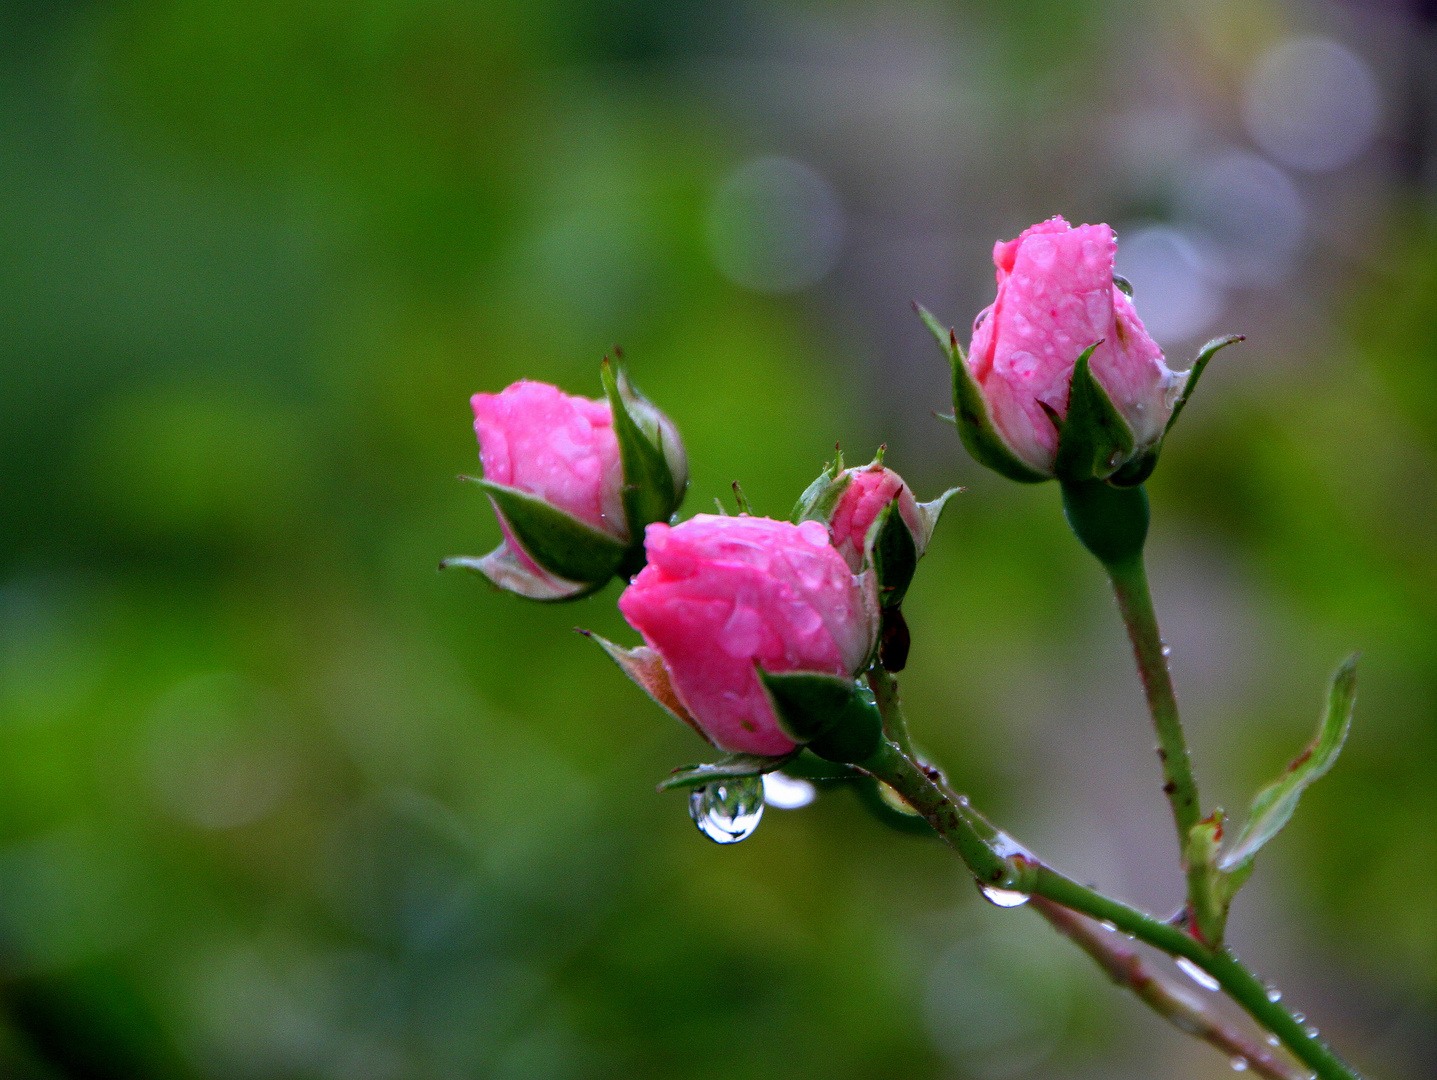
{"x":687,"y":776}
{"x":970,"y":410}
{"x":646,"y":668}
{"x":1095,"y":439}
{"x":649,"y":493}
{"x":893,"y":553}
{"x":1273,"y":806}
{"x":504,"y":570}
{"x":559,"y":542}
{"x":830,"y":713}
{"x":1206,"y":353}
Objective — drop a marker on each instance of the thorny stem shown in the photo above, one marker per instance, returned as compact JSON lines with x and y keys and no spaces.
{"x":1126,"y":968}
{"x":1135,"y":601}
{"x":996,"y":860}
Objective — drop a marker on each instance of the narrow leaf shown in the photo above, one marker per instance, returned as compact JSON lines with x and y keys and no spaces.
{"x":894,"y":555}
{"x":1273,"y":806}
{"x":830,"y":713}
{"x":646,"y":668}
{"x":506,"y":571}
{"x":1206,"y":353}
{"x":930,"y":513}
{"x":820,"y":497}
{"x":1095,"y":438}
{"x":970,"y":410}
{"x":734,"y":765}
{"x":649,"y":494}
{"x":559,"y":542}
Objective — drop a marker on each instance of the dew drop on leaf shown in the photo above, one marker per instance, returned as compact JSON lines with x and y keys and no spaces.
{"x":729,"y":811}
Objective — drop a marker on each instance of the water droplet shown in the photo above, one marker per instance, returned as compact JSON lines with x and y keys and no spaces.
{"x":1167,"y":650}
{"x":787,"y":792}
{"x":1110,"y":927}
{"x":1274,"y":994}
{"x":895,"y":801}
{"x":1239,"y":1063}
{"x":1003,"y":897}
{"x":1299,"y":1017}
{"x":1113,"y":459}
{"x":1196,"y":974}
{"x":1273,"y":1040}
{"x":962,"y":800}
{"x":729,"y":811}
{"x":1310,"y":1031}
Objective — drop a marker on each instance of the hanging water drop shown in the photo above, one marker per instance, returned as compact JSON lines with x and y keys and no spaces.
{"x":1167,"y":651}
{"x":1239,"y":1063}
{"x":1311,"y":1031}
{"x":787,"y":792}
{"x":1274,"y":994}
{"x":1110,"y":927}
{"x":1196,"y":974}
{"x":728,"y":811}
{"x":1003,"y":897}
{"x":1299,"y":1017}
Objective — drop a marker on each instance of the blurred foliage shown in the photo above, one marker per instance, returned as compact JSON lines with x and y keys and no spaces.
{"x":279,"y":801}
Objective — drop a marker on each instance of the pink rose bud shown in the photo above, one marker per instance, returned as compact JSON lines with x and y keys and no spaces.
{"x":868,"y":493}
{"x":556,"y":446}
{"x":721,"y":594}
{"x":572,"y":488}
{"x":1057,"y":298}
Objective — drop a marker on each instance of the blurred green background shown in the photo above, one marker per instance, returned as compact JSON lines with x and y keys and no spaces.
{"x":278,"y":800}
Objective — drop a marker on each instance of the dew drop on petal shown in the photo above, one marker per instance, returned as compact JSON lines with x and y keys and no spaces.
{"x":787,"y":792}
{"x":1239,"y":1063}
{"x":1003,"y":897}
{"x":729,"y":811}
{"x":1196,"y":974}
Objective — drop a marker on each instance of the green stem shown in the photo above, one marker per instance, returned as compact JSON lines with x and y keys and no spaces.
{"x":997,"y":861}
{"x":1135,"y":601}
{"x":885,"y":694}
{"x":1126,"y":968}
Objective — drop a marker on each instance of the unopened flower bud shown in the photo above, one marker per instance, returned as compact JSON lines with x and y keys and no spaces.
{"x":1061,"y":379}
{"x":574,"y":482}
{"x":724,"y":600}
{"x":873,"y":521}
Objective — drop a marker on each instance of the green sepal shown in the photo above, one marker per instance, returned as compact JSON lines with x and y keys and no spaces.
{"x":891,"y":550}
{"x":650,"y":493}
{"x":1141,"y":467}
{"x":1209,"y":892}
{"x":1111,"y":522}
{"x":1206,"y":353}
{"x":559,"y":542}
{"x":504,"y":570}
{"x":1273,"y":806}
{"x":646,"y":668}
{"x":1094,"y":439}
{"x":829,"y":713}
{"x":930,"y":513}
{"x":970,"y":411}
{"x":687,"y":776}
{"x":820,"y":497}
